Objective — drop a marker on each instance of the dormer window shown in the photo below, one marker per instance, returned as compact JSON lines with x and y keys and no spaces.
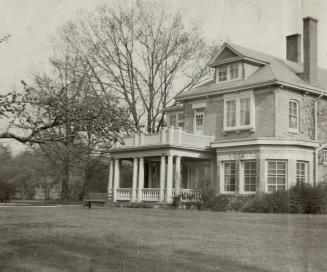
{"x":234,"y":71}
{"x":229,"y":72}
{"x":222,"y":74}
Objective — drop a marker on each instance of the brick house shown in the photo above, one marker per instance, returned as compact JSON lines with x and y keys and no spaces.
{"x":257,"y":126}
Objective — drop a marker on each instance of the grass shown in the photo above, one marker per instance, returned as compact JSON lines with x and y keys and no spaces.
{"x":120,"y":239}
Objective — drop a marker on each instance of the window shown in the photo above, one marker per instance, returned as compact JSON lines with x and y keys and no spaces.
{"x":245,"y":111}
{"x":239,"y":111}
{"x":231,"y":113}
{"x":199,"y":122}
{"x":172,"y":120}
{"x":222,"y":73}
{"x":233,"y":69}
{"x":276,"y":175}
{"x":180,"y":120}
{"x":301,"y":171}
{"x":250,"y":176}
{"x":229,"y":176}
{"x":293,"y":115}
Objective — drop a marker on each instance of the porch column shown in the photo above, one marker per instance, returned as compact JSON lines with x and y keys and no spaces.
{"x":150,"y":175}
{"x":110,"y":178}
{"x":134,"y":185}
{"x":162,"y":177}
{"x":169,"y":179}
{"x":178,"y":174}
{"x":141,"y":179}
{"x":116,"y":179}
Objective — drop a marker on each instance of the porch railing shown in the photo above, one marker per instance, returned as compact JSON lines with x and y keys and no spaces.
{"x":150,"y":194}
{"x":124,"y":194}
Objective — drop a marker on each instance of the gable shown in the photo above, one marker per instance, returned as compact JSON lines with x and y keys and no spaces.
{"x":226,"y":54}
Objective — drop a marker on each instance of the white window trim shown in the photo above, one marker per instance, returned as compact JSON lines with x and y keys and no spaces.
{"x":176,"y":116}
{"x":241,"y":178}
{"x":306,"y":169}
{"x":324,"y":156}
{"x":228,"y":74}
{"x":294,"y":130}
{"x":286,"y":174}
{"x":222,"y":178}
{"x":194,"y":121}
{"x":237,"y":97}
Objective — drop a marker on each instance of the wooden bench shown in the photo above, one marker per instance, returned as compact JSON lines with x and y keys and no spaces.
{"x":95,"y":198}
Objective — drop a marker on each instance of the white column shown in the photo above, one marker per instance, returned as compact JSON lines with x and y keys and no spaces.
{"x":162,"y":177}
{"x":134,"y":185}
{"x":141,"y":179}
{"x":150,"y":175}
{"x":110,"y":178}
{"x":169,"y":179}
{"x":178,"y":175}
{"x":116,"y":179}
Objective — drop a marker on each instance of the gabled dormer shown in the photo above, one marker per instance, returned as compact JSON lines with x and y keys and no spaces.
{"x":231,"y":65}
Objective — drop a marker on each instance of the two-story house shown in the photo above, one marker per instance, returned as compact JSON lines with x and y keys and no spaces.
{"x":257,"y":126}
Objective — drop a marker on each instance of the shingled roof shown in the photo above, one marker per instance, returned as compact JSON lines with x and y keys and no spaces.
{"x":273,"y":70}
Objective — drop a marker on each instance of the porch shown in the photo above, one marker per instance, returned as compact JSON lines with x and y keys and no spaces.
{"x":156,"y":170}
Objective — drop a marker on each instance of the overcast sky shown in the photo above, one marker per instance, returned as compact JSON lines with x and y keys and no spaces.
{"x":257,"y":24}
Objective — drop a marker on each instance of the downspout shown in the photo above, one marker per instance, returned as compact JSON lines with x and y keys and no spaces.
{"x":316,"y":152}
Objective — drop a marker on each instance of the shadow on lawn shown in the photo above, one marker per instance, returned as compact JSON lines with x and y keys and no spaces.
{"x":71,"y":253}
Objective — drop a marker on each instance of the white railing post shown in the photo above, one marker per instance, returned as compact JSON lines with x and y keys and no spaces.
{"x":134,"y":184}
{"x":110,"y":178}
{"x":163,"y":135}
{"x":169,"y":179}
{"x":141,"y":179}
{"x":141,"y":138}
{"x":162,"y":177}
{"x":136,"y":139}
{"x":171,"y":135}
{"x":179,"y":131}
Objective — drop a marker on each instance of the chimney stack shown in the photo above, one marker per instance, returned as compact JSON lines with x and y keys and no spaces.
{"x":310,"y":62}
{"x":293,"y":48}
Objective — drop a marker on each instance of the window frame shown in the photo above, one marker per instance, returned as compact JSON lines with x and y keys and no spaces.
{"x":237,"y":98}
{"x":223,"y":73}
{"x":306,"y":167}
{"x":199,"y":111}
{"x":276,"y":175}
{"x":297,"y":103}
{"x":243,"y":177}
{"x":177,"y":120}
{"x":224,"y":175}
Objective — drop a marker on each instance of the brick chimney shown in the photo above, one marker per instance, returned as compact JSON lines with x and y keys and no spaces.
{"x":310,"y":62}
{"x":293,"y":48}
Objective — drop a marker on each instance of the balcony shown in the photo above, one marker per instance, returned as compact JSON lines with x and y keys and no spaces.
{"x":171,"y":136}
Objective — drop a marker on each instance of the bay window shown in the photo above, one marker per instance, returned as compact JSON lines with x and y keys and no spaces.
{"x":229,"y":176}
{"x":301,"y":171}
{"x":249,"y":176}
{"x":276,"y":175}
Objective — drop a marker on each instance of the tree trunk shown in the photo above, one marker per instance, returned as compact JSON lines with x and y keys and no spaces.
{"x":65,"y":181}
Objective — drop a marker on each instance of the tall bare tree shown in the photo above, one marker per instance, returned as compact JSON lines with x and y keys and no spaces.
{"x":143,"y":53}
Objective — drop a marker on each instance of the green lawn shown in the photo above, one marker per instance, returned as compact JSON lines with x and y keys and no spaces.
{"x":119,"y":239}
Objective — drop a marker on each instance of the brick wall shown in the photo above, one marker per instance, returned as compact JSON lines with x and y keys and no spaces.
{"x":306,"y":126}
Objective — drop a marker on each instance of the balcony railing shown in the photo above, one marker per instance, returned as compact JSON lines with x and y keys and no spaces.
{"x":174,"y":136}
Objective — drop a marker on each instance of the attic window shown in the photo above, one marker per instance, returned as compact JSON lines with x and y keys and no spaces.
{"x":234,"y":71}
{"x":229,"y":72}
{"x":222,"y":74}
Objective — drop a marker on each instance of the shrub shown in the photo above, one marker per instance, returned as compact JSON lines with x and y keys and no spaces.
{"x":7,"y":190}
